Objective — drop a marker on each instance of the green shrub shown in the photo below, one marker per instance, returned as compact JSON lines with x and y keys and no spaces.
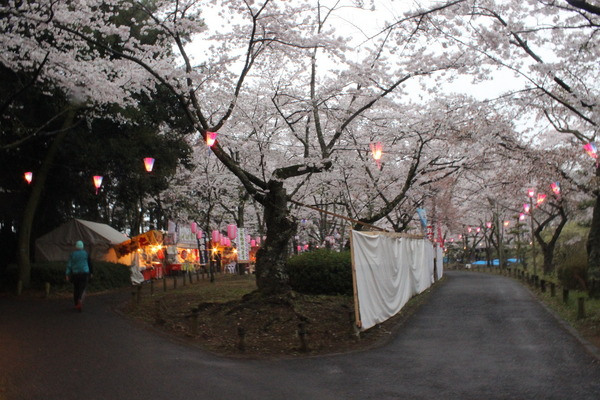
{"x":106,"y":276}
{"x":321,"y":272}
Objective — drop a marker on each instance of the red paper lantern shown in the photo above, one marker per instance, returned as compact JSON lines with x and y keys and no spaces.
{"x":541,"y":197}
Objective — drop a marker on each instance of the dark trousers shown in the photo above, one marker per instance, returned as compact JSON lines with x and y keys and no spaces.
{"x":79,"y":284}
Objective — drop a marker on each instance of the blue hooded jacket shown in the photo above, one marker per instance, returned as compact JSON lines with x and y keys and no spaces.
{"x":78,"y":263}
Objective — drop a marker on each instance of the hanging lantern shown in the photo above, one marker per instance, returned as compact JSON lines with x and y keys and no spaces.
{"x":299,"y":249}
{"x":469,"y":229}
{"x":522,"y":217}
{"x":231,"y":231}
{"x":247,"y":238}
{"x":531,"y":192}
{"x":149,"y":164}
{"x":306,"y":247}
{"x":28,"y":177}
{"x":258,"y":240}
{"x":215,"y":237}
{"x":540,"y":198}
{"x":591,"y":149}
{"x":526,"y":207}
{"x":211,"y":138}
{"x":252,"y":243}
{"x":199,"y":235}
{"x":555,"y":188}
{"x":97,"y":182}
{"x":478,"y":229}
{"x":488,"y":225}
{"x":506,"y":223}
{"x":377,"y":151}
{"x":193,"y":227}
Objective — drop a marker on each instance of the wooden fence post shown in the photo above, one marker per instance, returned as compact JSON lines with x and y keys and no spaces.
{"x":580,"y":308}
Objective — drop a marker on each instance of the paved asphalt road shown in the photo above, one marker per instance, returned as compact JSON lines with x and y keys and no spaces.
{"x":478,"y":337}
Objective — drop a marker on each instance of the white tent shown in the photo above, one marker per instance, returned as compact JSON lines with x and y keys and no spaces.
{"x":99,"y":240}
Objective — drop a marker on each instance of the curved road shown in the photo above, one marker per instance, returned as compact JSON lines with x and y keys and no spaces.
{"x":478,"y":337}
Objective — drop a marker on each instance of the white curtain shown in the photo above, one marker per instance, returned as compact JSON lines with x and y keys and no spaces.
{"x":389,"y":271}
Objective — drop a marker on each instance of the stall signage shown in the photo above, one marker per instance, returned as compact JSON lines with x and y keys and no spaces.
{"x":243,"y":247}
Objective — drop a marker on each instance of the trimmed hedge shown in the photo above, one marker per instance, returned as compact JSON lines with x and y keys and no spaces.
{"x":106,"y":276}
{"x":321,"y":272}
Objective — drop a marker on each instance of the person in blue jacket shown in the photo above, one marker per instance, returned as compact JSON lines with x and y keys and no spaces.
{"x":79,"y":271}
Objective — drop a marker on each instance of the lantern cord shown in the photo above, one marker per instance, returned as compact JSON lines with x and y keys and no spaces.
{"x":355,"y":221}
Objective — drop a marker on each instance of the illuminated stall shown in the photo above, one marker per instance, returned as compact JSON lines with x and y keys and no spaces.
{"x":148,"y":254}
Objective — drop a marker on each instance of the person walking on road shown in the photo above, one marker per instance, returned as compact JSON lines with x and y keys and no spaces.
{"x":79,"y":271}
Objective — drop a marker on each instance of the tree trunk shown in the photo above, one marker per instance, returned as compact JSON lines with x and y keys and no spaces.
{"x":38,"y":183}
{"x":271,"y":258}
{"x":593,"y":243}
{"x":548,"y":252}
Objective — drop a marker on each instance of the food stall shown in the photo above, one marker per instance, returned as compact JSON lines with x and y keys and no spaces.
{"x":148,"y":254}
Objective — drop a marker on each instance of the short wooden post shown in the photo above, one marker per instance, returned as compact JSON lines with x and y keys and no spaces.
{"x":138,"y":295}
{"x":543,"y":285}
{"x":302,"y":336}
{"x":580,"y":308}
{"x":565,"y":295}
{"x":241,"y":338}
{"x":552,"y":289}
{"x":194,"y":321}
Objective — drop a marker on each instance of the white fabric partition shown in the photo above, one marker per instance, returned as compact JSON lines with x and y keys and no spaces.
{"x":439,"y":261}
{"x":389,"y":270}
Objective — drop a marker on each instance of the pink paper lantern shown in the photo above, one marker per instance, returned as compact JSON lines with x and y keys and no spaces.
{"x":211,"y":138}
{"x":28,"y":177}
{"x":215,"y":237}
{"x":97,"y":182}
{"x":193,"y":227}
{"x":252,"y":243}
{"x":199,"y":235}
{"x":148,"y":164}
{"x":231,"y":231}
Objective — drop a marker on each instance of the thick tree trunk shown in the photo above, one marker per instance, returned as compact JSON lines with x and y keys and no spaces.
{"x":271,"y":258}
{"x":39,"y":181}
{"x":593,"y":243}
